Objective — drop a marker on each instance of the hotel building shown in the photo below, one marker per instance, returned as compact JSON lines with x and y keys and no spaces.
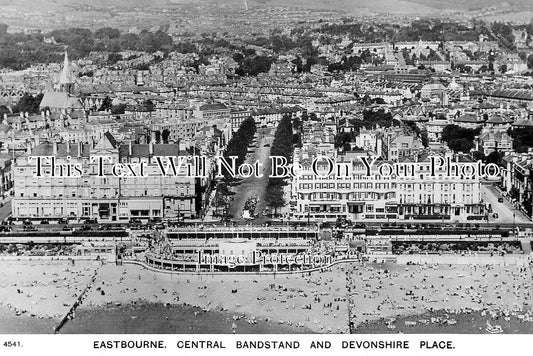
{"x":353,"y":194}
{"x":108,"y":197}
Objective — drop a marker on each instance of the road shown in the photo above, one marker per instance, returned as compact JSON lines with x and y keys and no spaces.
{"x":254,"y":187}
{"x":5,"y":209}
{"x":505,"y":210}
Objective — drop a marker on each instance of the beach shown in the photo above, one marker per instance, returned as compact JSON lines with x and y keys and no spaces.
{"x":386,"y":291}
{"x":157,"y":318}
{"x":44,"y":291}
{"x":276,"y":299}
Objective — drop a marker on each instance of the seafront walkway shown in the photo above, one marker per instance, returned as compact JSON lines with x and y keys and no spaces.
{"x":520,"y":260}
{"x":270,"y":273}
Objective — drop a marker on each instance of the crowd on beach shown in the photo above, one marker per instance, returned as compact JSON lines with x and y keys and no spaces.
{"x":335,"y":300}
{"x":393,"y":291}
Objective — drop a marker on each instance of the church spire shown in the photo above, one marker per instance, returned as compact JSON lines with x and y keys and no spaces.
{"x":66,"y":79}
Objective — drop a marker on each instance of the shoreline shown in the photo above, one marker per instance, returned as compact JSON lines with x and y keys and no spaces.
{"x":445,"y":322}
{"x":159,"y":318}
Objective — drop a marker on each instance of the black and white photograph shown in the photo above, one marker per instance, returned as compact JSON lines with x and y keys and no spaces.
{"x":359,"y":170}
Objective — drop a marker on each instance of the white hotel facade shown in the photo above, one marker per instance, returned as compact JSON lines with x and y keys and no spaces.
{"x":359,"y":197}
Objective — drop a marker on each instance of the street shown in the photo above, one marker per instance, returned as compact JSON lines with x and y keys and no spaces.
{"x":254,"y":187}
{"x":5,"y":209}
{"x":505,"y":210}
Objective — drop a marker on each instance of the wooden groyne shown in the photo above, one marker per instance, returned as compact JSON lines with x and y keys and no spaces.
{"x":75,"y":305}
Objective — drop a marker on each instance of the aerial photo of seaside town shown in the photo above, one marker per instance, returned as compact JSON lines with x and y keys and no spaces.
{"x":265,"y":166}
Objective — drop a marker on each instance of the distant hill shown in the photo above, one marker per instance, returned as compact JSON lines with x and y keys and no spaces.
{"x":398,"y":6}
{"x":419,"y":7}
{"x":395,"y":6}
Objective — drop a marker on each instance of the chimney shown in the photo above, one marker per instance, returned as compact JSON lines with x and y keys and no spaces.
{"x":151,"y":148}
{"x":80,"y":149}
{"x":54,"y":148}
{"x":130,"y":148}
{"x":68,"y":148}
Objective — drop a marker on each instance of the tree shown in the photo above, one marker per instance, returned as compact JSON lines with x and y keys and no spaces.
{"x":522,"y":138}
{"x":460,"y":145}
{"x":494,"y":157}
{"x":478,"y":156}
{"x":165,"y":135}
{"x":28,"y":103}
{"x":107,"y":32}
{"x":252,"y":66}
{"x":238,"y":145}
{"x":530,"y":61}
{"x":107,"y":103}
{"x":3,"y":110}
{"x":459,"y":139}
{"x":274,"y":197}
{"x":343,"y":138}
{"x":114,"y":58}
{"x":281,"y":146}
{"x":149,"y":104}
{"x":424,"y":138}
{"x":118,"y":109}
{"x":298,"y":63}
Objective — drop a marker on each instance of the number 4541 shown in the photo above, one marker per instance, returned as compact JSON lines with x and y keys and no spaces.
{"x":12,"y":344}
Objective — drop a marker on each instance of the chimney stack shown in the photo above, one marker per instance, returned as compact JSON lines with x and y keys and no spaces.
{"x":151,"y":148}
{"x":80,"y":148}
{"x":54,"y":148}
{"x":130,"y":148}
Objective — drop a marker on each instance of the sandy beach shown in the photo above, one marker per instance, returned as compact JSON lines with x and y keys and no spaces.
{"x":280,"y":299}
{"x":393,"y":290}
{"x":45,"y":289}
{"x":318,"y":302}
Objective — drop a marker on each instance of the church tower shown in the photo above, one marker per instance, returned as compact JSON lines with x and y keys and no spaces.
{"x":62,"y":99}
{"x":66,"y":80}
